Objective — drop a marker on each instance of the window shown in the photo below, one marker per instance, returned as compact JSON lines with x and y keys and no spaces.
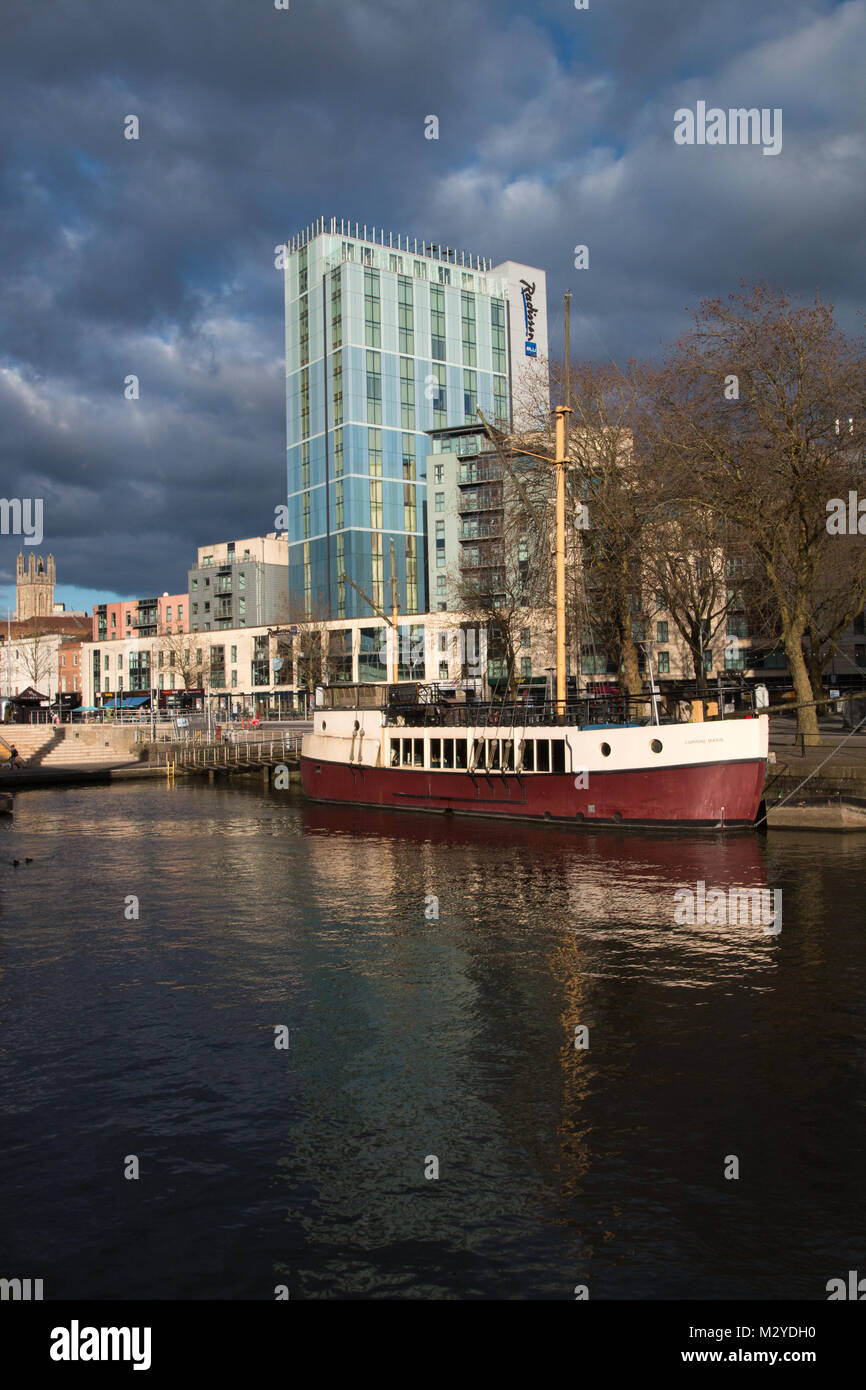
{"x":336,"y":311}
{"x":195,"y":583}
{"x":467,"y":323}
{"x":662,"y":632}
{"x":437,"y":324}
{"x":500,"y":401}
{"x":304,"y":330}
{"x":438,"y":472}
{"x":526,"y":668}
{"x":337,"y":378}
{"x":234,"y":655}
{"x":407,"y":393}
{"x":405,"y":315}
{"x":440,"y":501}
{"x":440,"y":403}
{"x":860,"y":654}
{"x":347,"y":251}
{"x":305,"y":401}
{"x":375,"y":504}
{"x":409,"y":456}
{"x":525,"y":637}
{"x":664,"y":663}
{"x":497,"y":324}
{"x":443,"y":670}
{"x":470,"y":395}
{"x":410,"y":512}
{"x":374,"y":452}
{"x":168,"y":614}
{"x":444,"y":275}
{"x":372,"y":310}
{"x":419,"y":268}
{"x":374,"y":388}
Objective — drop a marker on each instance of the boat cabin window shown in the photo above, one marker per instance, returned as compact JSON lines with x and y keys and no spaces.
{"x":508,"y":754}
{"x":527,"y":758}
{"x":493,"y":753}
{"x":557,"y":755}
{"x":478,"y":750}
{"x":447,"y":752}
{"x":459,"y":752}
{"x":418,"y":752}
{"x":395,"y":752}
{"x":435,"y":752}
{"x":542,"y":755}
{"x":407,"y":752}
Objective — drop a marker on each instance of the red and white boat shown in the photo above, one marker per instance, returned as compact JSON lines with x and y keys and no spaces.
{"x":561,"y":764}
{"x":524,"y":765}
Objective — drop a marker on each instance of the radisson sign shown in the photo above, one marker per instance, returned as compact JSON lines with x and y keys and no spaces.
{"x":529,"y":312}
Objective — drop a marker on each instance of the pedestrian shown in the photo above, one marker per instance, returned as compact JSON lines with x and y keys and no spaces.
{"x":15,"y":760}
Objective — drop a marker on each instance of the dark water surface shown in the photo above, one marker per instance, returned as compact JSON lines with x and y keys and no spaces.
{"x":411,"y":1037}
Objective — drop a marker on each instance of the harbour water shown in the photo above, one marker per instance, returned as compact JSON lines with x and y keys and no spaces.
{"x":432,"y":975}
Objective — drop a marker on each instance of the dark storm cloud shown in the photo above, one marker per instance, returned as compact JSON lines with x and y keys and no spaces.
{"x":156,"y":257}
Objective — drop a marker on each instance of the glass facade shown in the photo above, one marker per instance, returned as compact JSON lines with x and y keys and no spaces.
{"x":383,"y":344}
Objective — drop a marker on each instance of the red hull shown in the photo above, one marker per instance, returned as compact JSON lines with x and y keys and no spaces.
{"x":704,"y":794}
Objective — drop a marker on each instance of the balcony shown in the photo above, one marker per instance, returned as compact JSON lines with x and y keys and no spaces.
{"x":485,"y":503}
{"x":479,"y":473}
{"x":481,"y":530}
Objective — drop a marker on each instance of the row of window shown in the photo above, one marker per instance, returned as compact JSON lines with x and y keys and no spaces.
{"x":396,"y":262}
{"x":481,"y":754}
{"x":223,"y":585}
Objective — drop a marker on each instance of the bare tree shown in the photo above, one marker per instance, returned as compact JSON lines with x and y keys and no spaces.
{"x":752,"y":399}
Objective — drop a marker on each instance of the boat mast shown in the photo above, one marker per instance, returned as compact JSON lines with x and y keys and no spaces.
{"x":395,"y":620}
{"x":562,"y":414}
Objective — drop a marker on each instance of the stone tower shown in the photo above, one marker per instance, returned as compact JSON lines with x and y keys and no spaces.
{"x":34,"y":587}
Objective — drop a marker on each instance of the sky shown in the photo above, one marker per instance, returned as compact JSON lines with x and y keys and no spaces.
{"x":155,"y":257}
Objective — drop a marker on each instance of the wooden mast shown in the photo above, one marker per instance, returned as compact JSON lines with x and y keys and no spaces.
{"x":562,"y":413}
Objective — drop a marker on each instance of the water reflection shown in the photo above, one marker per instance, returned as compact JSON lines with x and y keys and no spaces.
{"x":413,"y":1035}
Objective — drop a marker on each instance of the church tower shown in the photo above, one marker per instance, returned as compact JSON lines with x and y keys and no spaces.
{"x":34,"y":587}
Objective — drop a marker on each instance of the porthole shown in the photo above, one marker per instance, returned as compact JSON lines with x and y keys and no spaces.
{"x":656,"y":745}
{"x":605,"y":750}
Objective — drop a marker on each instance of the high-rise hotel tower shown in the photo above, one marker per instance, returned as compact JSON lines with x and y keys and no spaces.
{"x":387,"y":338}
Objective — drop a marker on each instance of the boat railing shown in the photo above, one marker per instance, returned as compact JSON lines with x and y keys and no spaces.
{"x":591,"y":711}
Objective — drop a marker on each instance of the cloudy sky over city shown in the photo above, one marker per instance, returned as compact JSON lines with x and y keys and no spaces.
{"x":155,"y":256}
